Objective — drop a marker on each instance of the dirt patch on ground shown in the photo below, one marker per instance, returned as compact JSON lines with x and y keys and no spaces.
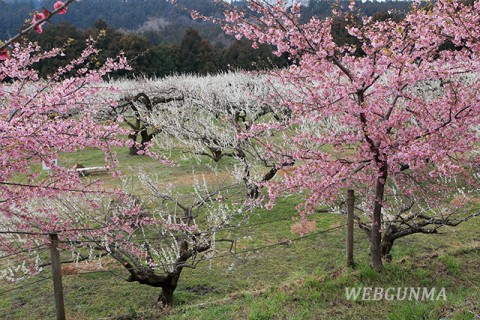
{"x":89,"y":266}
{"x":201,"y":289}
{"x":303,"y":227}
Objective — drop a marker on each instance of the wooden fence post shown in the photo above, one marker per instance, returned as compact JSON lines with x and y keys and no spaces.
{"x":350,"y":208}
{"x":57,"y":277}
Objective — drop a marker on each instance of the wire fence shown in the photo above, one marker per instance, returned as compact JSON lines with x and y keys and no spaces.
{"x":219,"y":256}
{"x":227,"y":227}
{"x":237,"y":227}
{"x":279,"y":243}
{"x":41,"y":279}
{"x":24,"y":251}
{"x":142,"y":239}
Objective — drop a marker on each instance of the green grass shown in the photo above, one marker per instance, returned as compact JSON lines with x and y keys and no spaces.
{"x":295,"y":278}
{"x":302,"y":280}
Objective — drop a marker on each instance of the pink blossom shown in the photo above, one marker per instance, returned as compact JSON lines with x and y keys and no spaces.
{"x":37,"y":16}
{"x":4,"y":54}
{"x":395,"y":118}
{"x":57,"y":5}
{"x":46,"y":13}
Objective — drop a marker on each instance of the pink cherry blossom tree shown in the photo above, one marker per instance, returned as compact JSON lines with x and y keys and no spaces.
{"x":401,"y":118}
{"x":40,"y":118}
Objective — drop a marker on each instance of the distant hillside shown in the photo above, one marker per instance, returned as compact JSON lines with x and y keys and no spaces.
{"x":158,"y":20}
{"x":160,"y":39}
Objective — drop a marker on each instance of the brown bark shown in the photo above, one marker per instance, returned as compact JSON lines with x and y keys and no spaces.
{"x":350,"y":213}
{"x":166,"y":297}
{"x":376,"y":238}
{"x":168,"y":283}
{"x":386,"y":247}
{"x":145,"y":139}
{"x":168,"y":288}
{"x":133,"y":149}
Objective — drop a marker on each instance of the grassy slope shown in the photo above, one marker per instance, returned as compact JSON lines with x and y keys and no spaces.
{"x":305,"y":279}
{"x":302,"y":279}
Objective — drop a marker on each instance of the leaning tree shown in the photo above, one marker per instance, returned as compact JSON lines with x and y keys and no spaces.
{"x":360,"y":120}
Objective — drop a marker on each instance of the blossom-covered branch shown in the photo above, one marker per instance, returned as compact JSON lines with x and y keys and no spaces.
{"x":36,"y":23}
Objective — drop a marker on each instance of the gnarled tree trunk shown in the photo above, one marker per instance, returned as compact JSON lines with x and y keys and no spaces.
{"x":145,"y":139}
{"x":386,"y":246}
{"x":168,"y":288}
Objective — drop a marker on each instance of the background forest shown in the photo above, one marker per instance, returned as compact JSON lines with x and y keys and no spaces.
{"x":160,"y":39}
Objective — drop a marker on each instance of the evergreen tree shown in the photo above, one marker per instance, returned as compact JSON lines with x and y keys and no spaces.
{"x":196,"y":55}
{"x":162,"y":60}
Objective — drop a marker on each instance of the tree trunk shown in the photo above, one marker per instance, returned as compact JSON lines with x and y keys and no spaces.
{"x":386,"y":247}
{"x":253,"y":191}
{"x":133,"y":149}
{"x":166,"y":296}
{"x":376,"y":239}
{"x":388,"y":237}
{"x":168,"y":287}
{"x":145,"y":139}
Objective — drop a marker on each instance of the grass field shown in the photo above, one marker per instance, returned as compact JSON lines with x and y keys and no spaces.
{"x":274,"y":273}
{"x":271,"y":272}
{"x":302,"y":279}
